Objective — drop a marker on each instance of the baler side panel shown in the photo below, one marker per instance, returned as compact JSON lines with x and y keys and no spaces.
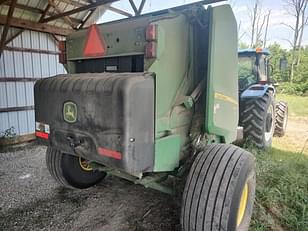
{"x":222,"y":91}
{"x":170,"y":67}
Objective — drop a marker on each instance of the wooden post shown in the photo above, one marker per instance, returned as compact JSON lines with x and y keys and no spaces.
{"x":7,"y":25}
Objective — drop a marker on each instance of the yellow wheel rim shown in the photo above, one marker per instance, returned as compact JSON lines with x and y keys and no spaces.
{"x":243,"y":204}
{"x":84,"y":164}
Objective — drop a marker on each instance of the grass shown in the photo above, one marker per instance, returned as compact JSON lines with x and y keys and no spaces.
{"x":282,"y":179}
{"x":282,"y":191}
{"x":298,"y":105}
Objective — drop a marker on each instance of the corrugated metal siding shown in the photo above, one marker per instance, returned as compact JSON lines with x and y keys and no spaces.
{"x":16,"y":64}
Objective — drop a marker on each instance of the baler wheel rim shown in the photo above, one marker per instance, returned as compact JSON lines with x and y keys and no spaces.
{"x":84,"y":164}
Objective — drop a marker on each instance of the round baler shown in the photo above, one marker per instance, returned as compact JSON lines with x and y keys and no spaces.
{"x":154,"y":105}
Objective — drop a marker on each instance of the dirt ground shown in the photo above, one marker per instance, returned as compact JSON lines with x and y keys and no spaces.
{"x":31,"y":200}
{"x":296,"y":137}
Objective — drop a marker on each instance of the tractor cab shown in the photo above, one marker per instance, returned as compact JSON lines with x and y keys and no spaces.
{"x":260,"y":115}
{"x":253,"y":67}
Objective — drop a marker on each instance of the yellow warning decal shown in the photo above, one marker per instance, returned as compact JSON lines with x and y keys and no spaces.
{"x":225,"y":98}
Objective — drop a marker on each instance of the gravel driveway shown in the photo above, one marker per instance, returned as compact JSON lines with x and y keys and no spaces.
{"x":31,"y":200}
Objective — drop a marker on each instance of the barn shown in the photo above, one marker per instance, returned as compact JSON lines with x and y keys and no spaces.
{"x":31,"y":48}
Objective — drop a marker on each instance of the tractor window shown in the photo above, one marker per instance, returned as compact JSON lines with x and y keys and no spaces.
{"x":247,"y":72}
{"x":263,"y":69}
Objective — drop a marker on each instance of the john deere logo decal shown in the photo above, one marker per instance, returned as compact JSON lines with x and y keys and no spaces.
{"x":70,"y":112}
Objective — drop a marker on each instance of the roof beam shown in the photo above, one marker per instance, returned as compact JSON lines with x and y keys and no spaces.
{"x":2,"y":1}
{"x":59,"y":11}
{"x":14,"y":36}
{"x":25,"y":7}
{"x":122,"y":12}
{"x":77,"y":10}
{"x":141,"y":7}
{"x":39,"y":11}
{"x":7,"y":24}
{"x":86,"y":19}
{"x":45,"y":12}
{"x":22,"y":30}
{"x":31,"y":25}
{"x":73,"y":3}
{"x":133,"y":6}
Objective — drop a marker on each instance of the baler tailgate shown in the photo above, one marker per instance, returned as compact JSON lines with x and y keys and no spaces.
{"x":88,"y":113}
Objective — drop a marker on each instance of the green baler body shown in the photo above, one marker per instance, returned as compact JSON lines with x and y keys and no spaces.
{"x":175,"y":67}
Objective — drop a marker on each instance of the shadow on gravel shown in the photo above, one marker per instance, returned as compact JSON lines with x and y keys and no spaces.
{"x":112,"y":205}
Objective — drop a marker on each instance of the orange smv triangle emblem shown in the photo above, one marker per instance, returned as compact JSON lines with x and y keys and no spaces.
{"x":95,"y":45}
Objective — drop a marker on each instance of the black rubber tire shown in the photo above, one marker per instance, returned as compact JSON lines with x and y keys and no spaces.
{"x":213,"y":189}
{"x":254,"y":120}
{"x":281,"y":118}
{"x":66,"y":170}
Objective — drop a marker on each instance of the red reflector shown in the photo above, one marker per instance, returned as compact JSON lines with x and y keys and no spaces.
{"x":62,"y":55}
{"x":95,"y":45}
{"x":150,"y":50}
{"x":42,"y":135}
{"x":151,"y":32}
{"x":110,"y":153}
{"x":62,"y":45}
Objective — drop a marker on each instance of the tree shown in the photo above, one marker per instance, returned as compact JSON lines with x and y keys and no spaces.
{"x":254,"y":15}
{"x":259,"y":22}
{"x":266,"y":28}
{"x":297,"y":9}
{"x":303,"y":24}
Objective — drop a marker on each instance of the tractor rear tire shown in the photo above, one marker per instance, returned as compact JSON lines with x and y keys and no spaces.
{"x":258,"y":120}
{"x":220,"y":190}
{"x":70,"y":171}
{"x":281,"y":118}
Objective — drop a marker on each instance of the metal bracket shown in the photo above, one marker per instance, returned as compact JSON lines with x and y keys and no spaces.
{"x":153,"y":181}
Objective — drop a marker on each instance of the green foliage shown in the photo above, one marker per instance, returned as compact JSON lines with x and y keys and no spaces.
{"x":8,"y":133}
{"x":301,"y":71}
{"x":299,"y":86}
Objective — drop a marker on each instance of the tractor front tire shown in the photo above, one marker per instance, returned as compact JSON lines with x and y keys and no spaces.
{"x":281,"y":118}
{"x":220,"y":190}
{"x":71,"y":171}
{"x":258,"y":120}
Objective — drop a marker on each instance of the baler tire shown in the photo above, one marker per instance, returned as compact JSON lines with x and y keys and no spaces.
{"x":66,"y":170}
{"x":212,"y":198}
{"x":254,"y":120}
{"x":281,"y":118}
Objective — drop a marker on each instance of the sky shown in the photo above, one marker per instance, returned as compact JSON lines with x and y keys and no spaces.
{"x":277,"y":31}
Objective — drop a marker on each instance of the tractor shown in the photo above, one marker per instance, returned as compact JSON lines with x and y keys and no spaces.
{"x":260,"y":115}
{"x":154,"y":99}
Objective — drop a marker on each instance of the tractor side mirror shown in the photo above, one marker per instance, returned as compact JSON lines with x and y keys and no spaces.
{"x":283,"y":64}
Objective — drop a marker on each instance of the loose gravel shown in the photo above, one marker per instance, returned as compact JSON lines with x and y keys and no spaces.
{"x":31,"y":200}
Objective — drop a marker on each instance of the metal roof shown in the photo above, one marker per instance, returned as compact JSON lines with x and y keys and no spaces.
{"x":57,"y":17}
{"x":40,"y":10}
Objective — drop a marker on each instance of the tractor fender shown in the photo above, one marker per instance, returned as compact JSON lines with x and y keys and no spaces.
{"x":257,"y":91}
